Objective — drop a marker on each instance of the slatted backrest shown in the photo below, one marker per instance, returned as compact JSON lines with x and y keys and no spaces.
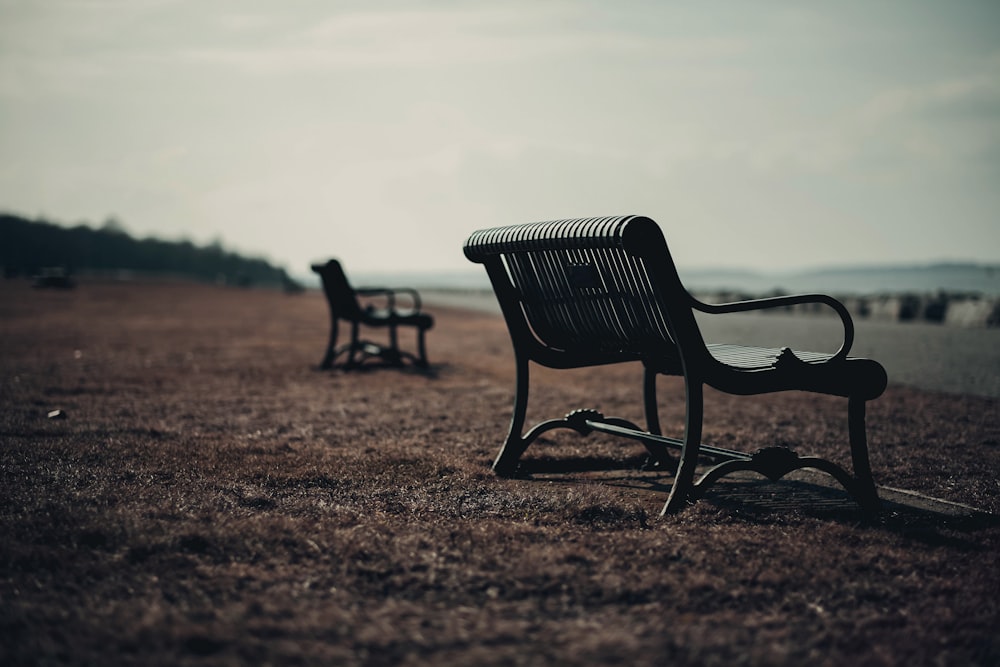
{"x":339,"y":293}
{"x":588,"y":291}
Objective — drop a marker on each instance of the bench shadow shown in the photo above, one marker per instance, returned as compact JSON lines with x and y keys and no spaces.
{"x":750,"y":498}
{"x":947,"y":525}
{"x":431,"y":371}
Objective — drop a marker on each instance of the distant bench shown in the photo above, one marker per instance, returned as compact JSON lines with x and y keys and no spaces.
{"x":344,"y":304}
{"x":587,"y":292}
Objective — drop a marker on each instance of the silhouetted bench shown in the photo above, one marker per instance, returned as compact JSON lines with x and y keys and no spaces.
{"x":579,"y":293}
{"x":344,"y":305}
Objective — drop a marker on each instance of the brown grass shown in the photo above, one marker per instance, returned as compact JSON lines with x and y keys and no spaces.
{"x":211,"y":499}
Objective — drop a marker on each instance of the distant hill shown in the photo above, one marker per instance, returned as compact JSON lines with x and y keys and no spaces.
{"x":28,"y":246}
{"x":858,"y":280}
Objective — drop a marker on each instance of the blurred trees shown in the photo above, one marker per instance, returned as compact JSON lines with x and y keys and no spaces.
{"x":26,"y":247}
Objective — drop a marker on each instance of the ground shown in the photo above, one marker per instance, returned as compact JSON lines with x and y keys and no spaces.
{"x":205,"y":496}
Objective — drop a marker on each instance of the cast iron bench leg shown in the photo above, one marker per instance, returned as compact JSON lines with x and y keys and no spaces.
{"x":331,"y":346}
{"x":867,"y":495}
{"x":660,"y":456}
{"x":680,"y":492}
{"x":506,"y":462}
{"x":421,"y":349}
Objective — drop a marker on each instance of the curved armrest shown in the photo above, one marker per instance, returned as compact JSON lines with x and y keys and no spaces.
{"x":789,"y":300}
{"x":414,"y":296}
{"x":390,"y":297}
{"x":390,"y":294}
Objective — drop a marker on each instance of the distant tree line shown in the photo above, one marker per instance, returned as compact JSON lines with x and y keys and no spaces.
{"x":28,"y":247}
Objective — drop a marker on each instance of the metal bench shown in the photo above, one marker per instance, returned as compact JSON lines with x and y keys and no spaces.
{"x":344,"y":305}
{"x":586,"y":292}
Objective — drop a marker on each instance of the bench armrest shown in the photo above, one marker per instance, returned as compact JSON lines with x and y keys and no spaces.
{"x":390,"y":294}
{"x":789,"y":300}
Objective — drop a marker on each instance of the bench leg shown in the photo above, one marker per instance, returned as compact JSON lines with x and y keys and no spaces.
{"x":354,"y":348}
{"x":331,"y":346}
{"x":867,"y":495}
{"x":680,"y":492}
{"x":506,"y":461}
{"x":649,"y":399}
{"x":659,"y":455}
{"x":421,"y":348}
{"x":394,"y":356}
{"x":776,"y":462}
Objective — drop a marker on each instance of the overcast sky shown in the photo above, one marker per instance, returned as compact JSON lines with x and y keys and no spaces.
{"x":772,"y":135}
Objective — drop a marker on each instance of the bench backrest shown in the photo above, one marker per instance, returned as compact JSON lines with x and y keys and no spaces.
{"x":341,"y":296}
{"x":589,"y":291}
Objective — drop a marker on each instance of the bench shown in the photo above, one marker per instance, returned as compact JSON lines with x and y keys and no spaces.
{"x":344,"y":304}
{"x":588,"y":292}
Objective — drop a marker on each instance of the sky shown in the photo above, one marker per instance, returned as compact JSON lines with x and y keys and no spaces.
{"x":760,"y":135}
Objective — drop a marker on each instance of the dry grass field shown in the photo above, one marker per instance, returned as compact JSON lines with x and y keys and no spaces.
{"x":209,"y":498}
